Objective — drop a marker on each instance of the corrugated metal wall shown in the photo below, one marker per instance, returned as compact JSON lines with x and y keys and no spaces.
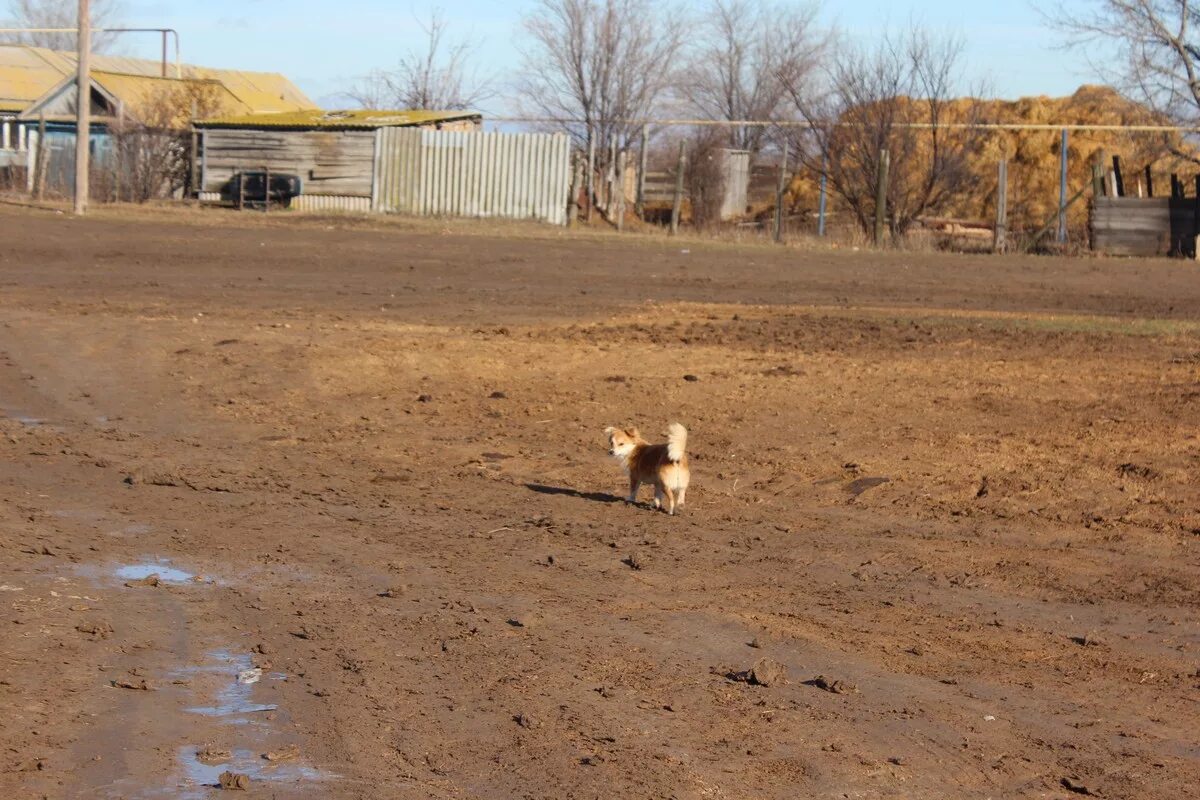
{"x":329,"y":202}
{"x":512,"y":175}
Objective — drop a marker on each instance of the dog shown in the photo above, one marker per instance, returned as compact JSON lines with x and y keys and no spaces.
{"x":664,"y":465}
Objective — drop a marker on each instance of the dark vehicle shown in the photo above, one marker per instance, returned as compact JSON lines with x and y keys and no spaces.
{"x":248,"y":188}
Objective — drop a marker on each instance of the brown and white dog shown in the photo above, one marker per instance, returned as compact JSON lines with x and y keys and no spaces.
{"x":664,"y":465}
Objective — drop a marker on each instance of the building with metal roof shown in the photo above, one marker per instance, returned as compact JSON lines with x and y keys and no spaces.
{"x":358,"y":119}
{"x":29,"y":73}
{"x":331,"y":154}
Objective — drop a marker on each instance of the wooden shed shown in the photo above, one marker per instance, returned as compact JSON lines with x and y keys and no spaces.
{"x":332,"y":152}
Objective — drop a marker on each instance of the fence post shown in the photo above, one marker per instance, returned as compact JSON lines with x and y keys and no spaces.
{"x":1119,"y":181}
{"x":1062,"y":188}
{"x":881,"y":186}
{"x":1000,"y":238}
{"x":266,"y":189}
{"x":39,"y":161}
{"x":611,"y":175}
{"x":640,"y":210}
{"x":617,"y":206}
{"x":1098,"y":176}
{"x":1196,"y":222}
{"x":779,"y":194}
{"x":241,"y":191}
{"x":573,"y":200}
{"x":677,"y":204}
{"x":822,"y":200}
{"x":1149,"y":182}
{"x":590,"y":178}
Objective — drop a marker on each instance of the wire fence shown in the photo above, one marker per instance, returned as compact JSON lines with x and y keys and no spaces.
{"x":1023,"y":186}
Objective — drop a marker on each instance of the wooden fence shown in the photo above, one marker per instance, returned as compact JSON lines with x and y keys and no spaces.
{"x":472,"y":174}
{"x":1149,"y":226}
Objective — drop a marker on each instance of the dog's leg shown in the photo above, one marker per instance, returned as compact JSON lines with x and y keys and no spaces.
{"x":679,"y":496}
{"x":634,"y":483}
{"x":670,"y":499}
{"x":658,"y":495}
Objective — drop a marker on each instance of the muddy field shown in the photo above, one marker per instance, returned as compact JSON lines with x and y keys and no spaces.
{"x":947,"y":505}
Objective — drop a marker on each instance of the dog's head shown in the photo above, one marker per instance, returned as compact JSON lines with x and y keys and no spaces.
{"x":621,"y":441}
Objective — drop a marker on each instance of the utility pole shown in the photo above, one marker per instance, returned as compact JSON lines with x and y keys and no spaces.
{"x":83,"y":107}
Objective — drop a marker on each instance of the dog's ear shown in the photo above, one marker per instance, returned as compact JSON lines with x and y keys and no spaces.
{"x":632,"y":433}
{"x":609,"y":431}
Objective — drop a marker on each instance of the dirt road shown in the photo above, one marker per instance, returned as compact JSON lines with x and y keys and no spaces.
{"x":955,"y":498}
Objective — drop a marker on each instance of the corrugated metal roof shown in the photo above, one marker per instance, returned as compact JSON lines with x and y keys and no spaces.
{"x":139,"y":91}
{"x":24,"y":77}
{"x":357,"y":119}
{"x":28,"y":73}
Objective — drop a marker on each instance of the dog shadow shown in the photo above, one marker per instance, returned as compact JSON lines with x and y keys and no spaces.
{"x":595,"y":497}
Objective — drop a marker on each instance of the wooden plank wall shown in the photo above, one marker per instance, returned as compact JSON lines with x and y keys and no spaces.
{"x":328,"y":162}
{"x":1137,"y":226}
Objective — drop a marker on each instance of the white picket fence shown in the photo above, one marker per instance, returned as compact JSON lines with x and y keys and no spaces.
{"x":472,"y":174}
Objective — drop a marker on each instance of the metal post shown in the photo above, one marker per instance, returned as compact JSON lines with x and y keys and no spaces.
{"x":677,"y":205}
{"x":881,"y":187}
{"x":83,"y":108}
{"x":779,"y":194}
{"x":1062,"y":189}
{"x":821,"y":203}
{"x":266,"y":189}
{"x":641,"y":178}
{"x":164,"y":51}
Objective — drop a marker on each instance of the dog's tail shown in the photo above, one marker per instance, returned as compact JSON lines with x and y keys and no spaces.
{"x":676,"y":441}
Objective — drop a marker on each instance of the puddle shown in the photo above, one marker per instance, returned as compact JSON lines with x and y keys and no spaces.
{"x":162,"y":568}
{"x":232,"y":699}
{"x":200,"y":777}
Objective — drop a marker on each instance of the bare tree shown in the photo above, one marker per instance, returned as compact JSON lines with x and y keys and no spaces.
{"x":746,"y":56}
{"x":151,"y":147}
{"x":598,"y":65}
{"x":60,"y":14}
{"x":435,"y":76}
{"x":1157,"y":47}
{"x":898,"y":96}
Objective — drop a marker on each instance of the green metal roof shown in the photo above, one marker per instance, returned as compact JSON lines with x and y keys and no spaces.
{"x":357,"y":119}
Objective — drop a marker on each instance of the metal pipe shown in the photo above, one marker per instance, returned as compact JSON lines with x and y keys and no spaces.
{"x":163,"y":31}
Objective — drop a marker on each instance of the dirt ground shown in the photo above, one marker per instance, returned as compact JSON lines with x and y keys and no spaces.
{"x":955,"y":498}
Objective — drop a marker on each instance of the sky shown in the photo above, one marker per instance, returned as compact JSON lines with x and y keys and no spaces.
{"x":323,"y":46}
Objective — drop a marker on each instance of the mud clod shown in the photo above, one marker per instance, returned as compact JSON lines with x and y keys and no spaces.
{"x":213,"y":755}
{"x":97,"y":630}
{"x":637,"y":561}
{"x":1076,"y":786}
{"x":765,"y":672}
{"x":833,"y":686}
{"x":527,"y":721}
{"x":233,"y":781}
{"x":289,"y":753}
{"x":150,"y":580}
